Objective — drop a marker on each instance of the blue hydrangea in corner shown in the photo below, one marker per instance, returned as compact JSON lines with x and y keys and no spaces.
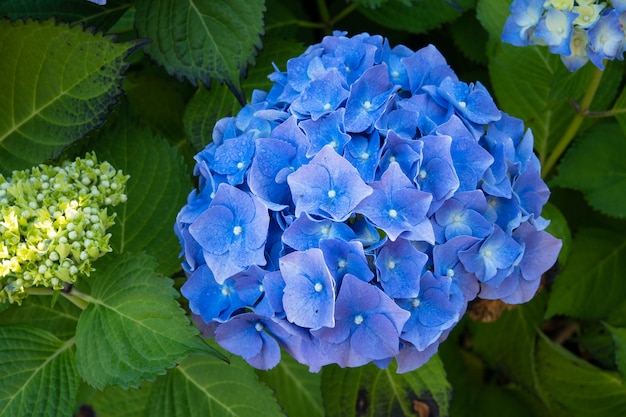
{"x":577,"y":30}
{"x":350,"y":214}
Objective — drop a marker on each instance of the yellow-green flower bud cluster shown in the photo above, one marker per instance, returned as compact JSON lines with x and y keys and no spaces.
{"x":53,"y":222}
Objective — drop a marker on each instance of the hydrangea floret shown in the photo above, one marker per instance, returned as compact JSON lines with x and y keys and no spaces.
{"x":53,"y":223}
{"x":351,"y":213}
{"x":577,"y":30}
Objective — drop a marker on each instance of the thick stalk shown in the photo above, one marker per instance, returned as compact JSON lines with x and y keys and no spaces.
{"x":573,"y":127}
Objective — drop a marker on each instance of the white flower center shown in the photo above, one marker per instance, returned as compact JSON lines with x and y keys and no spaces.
{"x":393,"y":214}
{"x":391,"y":264}
{"x":327,"y":106}
{"x":318,"y":287}
{"x":367,"y":105}
{"x":240,"y":165}
{"x":358,"y":319}
{"x":341,"y":264}
{"x":258,"y":327}
{"x":415,"y":303}
{"x":462,"y":104}
{"x":237,"y":230}
{"x":332,"y":193}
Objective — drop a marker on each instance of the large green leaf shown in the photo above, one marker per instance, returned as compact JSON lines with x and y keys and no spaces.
{"x":371,"y":391}
{"x":117,"y":402}
{"x":416,"y":16}
{"x":508,"y":343}
{"x":133,"y":328}
{"x":619,"y":339}
{"x":591,"y":283}
{"x":37,"y":373}
{"x":297,"y":389}
{"x":577,"y":387}
{"x":59,"y":318}
{"x":492,"y":14}
{"x":70,"y":11}
{"x":203,"y":386}
{"x":57,"y":84}
{"x":157,"y":189}
{"x":595,"y":165}
{"x":203,"y":39}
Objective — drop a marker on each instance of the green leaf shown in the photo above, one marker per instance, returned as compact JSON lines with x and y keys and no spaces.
{"x":117,"y":402}
{"x":157,"y":189}
{"x":297,"y":389}
{"x":595,"y":166}
{"x":620,"y":110}
{"x":472,"y":47}
{"x":70,"y":11}
{"x":202,"y":386}
{"x":558,"y":228}
{"x":59,"y":319}
{"x":372,"y":4}
{"x":508,"y":343}
{"x":204,"y":109}
{"x":591,"y":283}
{"x":133,"y":328}
{"x":492,"y":14}
{"x":416,"y":16}
{"x":57,"y":84}
{"x":619,"y":339}
{"x":371,"y":391}
{"x":203,"y":39}
{"x":577,"y":387}
{"x":37,"y":373}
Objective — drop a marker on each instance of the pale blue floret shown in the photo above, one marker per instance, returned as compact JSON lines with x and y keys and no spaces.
{"x":555,"y":28}
{"x":605,"y":38}
{"x":519,"y":26}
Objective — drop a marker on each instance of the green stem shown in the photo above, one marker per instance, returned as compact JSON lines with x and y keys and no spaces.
{"x":78,"y":300}
{"x":572,"y":129}
{"x":323,"y":9}
{"x":345,"y":12}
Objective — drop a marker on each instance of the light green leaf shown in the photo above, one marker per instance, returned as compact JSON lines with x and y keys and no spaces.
{"x":374,"y":392}
{"x":416,"y":16}
{"x":58,"y":82}
{"x":37,"y":373}
{"x":117,"y":402}
{"x":591,"y":283}
{"x":203,"y":39}
{"x":133,"y":328}
{"x":59,"y":319}
{"x":157,"y":189}
{"x":492,"y":14}
{"x":70,"y":11}
{"x":508,"y":343}
{"x":619,"y":339}
{"x":203,"y":386}
{"x":577,"y":387}
{"x":297,"y":389}
{"x":595,"y":166}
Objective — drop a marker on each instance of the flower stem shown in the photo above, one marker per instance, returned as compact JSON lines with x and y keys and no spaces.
{"x":572,"y":129}
{"x":324,"y":15}
{"x":76,"y":299}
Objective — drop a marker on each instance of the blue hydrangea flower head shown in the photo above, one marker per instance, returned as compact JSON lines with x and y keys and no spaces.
{"x":350,"y":214}
{"x":577,"y":30}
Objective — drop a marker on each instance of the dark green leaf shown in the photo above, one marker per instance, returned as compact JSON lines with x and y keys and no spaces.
{"x":58,"y":82}
{"x":371,"y":391}
{"x":372,"y":4}
{"x":619,"y":339}
{"x":508,"y":343}
{"x":577,"y":387}
{"x":203,"y":386}
{"x":558,"y":228}
{"x":297,"y":389}
{"x":595,"y":166}
{"x":59,"y":319}
{"x":37,"y":373}
{"x":591,"y":283}
{"x":203,"y":39}
{"x":416,"y":16}
{"x":620,"y":109}
{"x":69,"y":11}
{"x":117,"y":402}
{"x":133,"y":328}
{"x":157,"y":189}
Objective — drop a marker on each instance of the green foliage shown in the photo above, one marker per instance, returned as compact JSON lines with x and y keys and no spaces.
{"x":58,"y":317}
{"x":415,"y":16}
{"x":133,"y":328}
{"x":158,"y":186}
{"x":371,"y":391}
{"x":37,"y":373}
{"x":590,"y":284}
{"x":202,"y":385}
{"x":619,"y":338}
{"x":72,"y":78}
{"x":117,"y":402}
{"x":599,"y":154}
{"x":297,"y":390}
{"x":202,"y":40}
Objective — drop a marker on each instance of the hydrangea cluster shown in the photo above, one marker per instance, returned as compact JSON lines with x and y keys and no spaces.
{"x":350,"y":214}
{"x":577,"y":30}
{"x":53,"y":222}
